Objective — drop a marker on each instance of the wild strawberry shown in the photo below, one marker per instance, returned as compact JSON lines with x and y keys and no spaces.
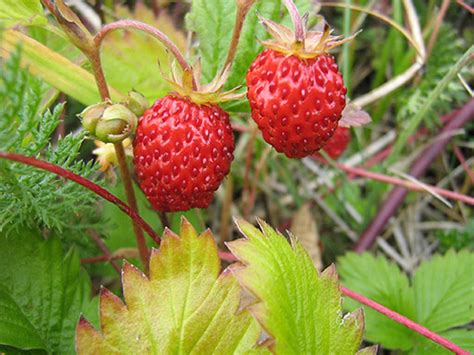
{"x":182,"y":151}
{"x":295,"y":89}
{"x":338,"y":143}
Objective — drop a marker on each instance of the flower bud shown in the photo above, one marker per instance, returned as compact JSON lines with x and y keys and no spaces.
{"x":91,"y":115}
{"x":137,"y":103}
{"x":116,"y":124}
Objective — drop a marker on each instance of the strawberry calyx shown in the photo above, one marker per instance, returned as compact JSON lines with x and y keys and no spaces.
{"x":304,"y":44}
{"x":188,"y":85}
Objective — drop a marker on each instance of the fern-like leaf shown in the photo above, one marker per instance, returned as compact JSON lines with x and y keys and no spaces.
{"x":30,"y":197}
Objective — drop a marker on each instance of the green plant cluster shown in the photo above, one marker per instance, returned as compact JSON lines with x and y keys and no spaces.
{"x":52,"y":301}
{"x":31,"y":198}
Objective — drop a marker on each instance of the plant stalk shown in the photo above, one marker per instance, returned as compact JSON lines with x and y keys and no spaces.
{"x":407,"y":184}
{"x":132,"y":201}
{"x":92,"y":51}
{"x":243,"y":8}
{"x":160,"y":36}
{"x":404,"y":321}
{"x":69,"y":175}
{"x":94,"y":58}
{"x":103,"y":247}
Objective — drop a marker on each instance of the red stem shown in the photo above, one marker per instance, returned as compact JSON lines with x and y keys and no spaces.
{"x":297,"y":21}
{"x":163,"y":38}
{"x":423,"y":131}
{"x":405,"y":321}
{"x":407,"y":184}
{"x":103,"y":247}
{"x":224,"y":255}
{"x":462,"y":160}
{"x":386,"y":312}
{"x":41,"y":164}
{"x":419,"y":167}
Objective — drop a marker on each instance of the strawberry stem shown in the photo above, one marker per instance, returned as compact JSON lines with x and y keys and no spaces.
{"x":69,"y":175}
{"x":404,"y":321}
{"x":127,"y":181}
{"x":297,"y":21}
{"x":163,"y":38}
{"x":84,"y":42}
{"x":243,"y":8}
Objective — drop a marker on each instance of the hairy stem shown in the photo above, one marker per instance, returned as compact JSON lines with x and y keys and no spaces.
{"x":407,"y":184}
{"x":248,"y":166}
{"x":132,"y":201}
{"x":297,"y":21}
{"x":226,"y":211}
{"x":346,"y":60}
{"x":94,"y":57}
{"x":164,"y":219}
{"x":243,"y":8}
{"x":92,"y":52}
{"x":103,"y":247}
{"x":163,"y":38}
{"x":69,"y":175}
{"x":405,"y":321}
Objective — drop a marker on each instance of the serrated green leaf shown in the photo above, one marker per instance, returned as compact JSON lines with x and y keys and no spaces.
{"x":383,"y":282}
{"x":441,"y":295}
{"x":444,"y":292}
{"x":30,"y":197}
{"x":462,"y":337}
{"x":14,"y":12}
{"x":41,"y":293}
{"x":299,"y":309}
{"x":184,"y":307}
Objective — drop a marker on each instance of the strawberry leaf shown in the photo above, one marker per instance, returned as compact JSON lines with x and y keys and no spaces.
{"x":185,"y":306}
{"x":440,"y":297}
{"x":14,"y":12}
{"x":386,"y":285}
{"x":42,"y":293}
{"x":300,"y":309}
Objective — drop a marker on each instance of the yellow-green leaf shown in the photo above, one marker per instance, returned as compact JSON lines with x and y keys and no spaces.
{"x":300,"y":309}
{"x":184,"y":307}
{"x":21,"y":12}
{"x":53,"y":68}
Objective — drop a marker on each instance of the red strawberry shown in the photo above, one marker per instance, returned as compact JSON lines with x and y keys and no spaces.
{"x":338,"y":143}
{"x":296,"y":91}
{"x":182,"y":152}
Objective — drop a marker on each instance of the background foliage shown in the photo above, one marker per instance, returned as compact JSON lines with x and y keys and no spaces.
{"x":48,"y":225}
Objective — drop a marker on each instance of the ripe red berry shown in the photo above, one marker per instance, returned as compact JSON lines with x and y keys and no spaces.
{"x":338,"y":143}
{"x":182,"y":152}
{"x":295,"y":102}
